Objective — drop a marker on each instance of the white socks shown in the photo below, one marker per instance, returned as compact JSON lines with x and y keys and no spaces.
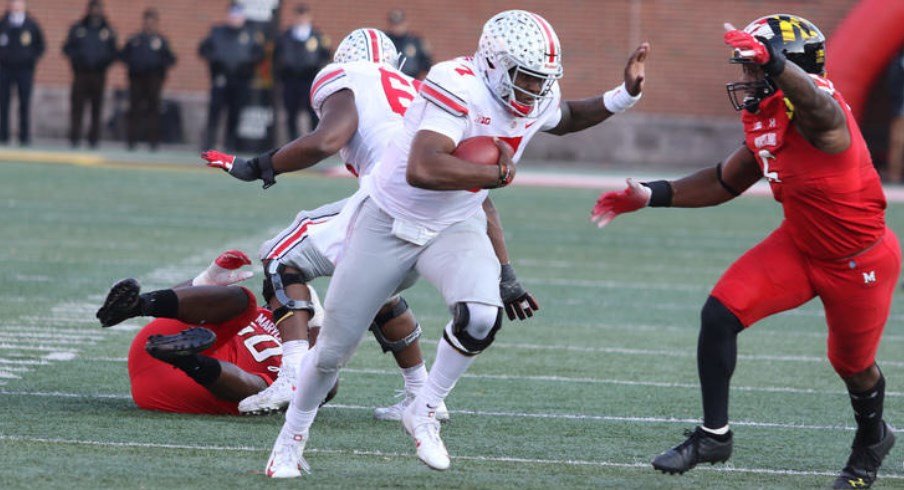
{"x":293,"y":351}
{"x":449,"y":366}
{"x":414,"y":377}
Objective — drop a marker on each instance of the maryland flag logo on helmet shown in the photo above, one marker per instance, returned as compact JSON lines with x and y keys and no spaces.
{"x":798,"y":39}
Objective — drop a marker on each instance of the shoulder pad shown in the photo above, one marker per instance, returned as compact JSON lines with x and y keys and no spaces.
{"x":449,"y":84}
{"x":823,"y":84}
{"x":328,"y":81}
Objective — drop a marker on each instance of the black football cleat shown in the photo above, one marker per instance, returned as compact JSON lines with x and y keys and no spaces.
{"x":122,"y":303}
{"x":170,"y":348}
{"x":700,"y":447}
{"x":864,"y":462}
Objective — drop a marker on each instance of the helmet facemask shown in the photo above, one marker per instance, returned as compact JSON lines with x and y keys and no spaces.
{"x":747,"y":94}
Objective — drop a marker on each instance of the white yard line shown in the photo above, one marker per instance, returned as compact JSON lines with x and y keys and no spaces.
{"x":382,"y":454}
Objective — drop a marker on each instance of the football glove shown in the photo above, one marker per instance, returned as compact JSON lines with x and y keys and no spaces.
{"x":750,"y":49}
{"x":225,"y":270}
{"x":517,"y":301}
{"x":259,"y":167}
{"x":611,"y":204}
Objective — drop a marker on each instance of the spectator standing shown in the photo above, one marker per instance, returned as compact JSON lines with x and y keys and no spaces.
{"x":91,"y":48}
{"x":300,"y":53}
{"x":148,"y":57}
{"x":231,"y":50}
{"x":415,"y":50}
{"x":21,"y":45}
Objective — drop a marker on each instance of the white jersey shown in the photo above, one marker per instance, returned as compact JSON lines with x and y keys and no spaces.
{"x":453,"y":101}
{"x":382,"y":94}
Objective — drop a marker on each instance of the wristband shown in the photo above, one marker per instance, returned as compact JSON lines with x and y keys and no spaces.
{"x":619,"y":100}
{"x":660,"y":193}
{"x":725,"y":185}
{"x":265,"y":165}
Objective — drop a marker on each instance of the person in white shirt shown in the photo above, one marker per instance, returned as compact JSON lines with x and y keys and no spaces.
{"x":423,"y":212}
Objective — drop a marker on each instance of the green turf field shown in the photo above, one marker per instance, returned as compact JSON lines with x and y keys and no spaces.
{"x":583,"y":395}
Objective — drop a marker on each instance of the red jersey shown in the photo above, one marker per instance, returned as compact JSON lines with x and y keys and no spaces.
{"x":250,"y":341}
{"x":834,"y":205}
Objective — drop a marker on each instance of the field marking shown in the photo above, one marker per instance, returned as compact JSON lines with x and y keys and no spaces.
{"x":486,"y":413}
{"x":382,"y":454}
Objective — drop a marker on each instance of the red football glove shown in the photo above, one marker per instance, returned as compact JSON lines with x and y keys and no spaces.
{"x":225,"y":270}
{"x":217,"y":159}
{"x":611,"y":204}
{"x":746,"y":46}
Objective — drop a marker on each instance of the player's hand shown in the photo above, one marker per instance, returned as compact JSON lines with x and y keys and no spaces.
{"x":746,"y":46}
{"x":517,"y":301}
{"x":635,"y":70}
{"x":225,"y":270}
{"x":611,"y":204}
{"x":505,"y":161}
{"x":247,"y":170}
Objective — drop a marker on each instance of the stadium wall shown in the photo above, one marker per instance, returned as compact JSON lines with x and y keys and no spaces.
{"x":684,"y":116}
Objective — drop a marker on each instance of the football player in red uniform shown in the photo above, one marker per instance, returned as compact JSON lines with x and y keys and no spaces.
{"x":833,"y":243}
{"x":204,"y":370}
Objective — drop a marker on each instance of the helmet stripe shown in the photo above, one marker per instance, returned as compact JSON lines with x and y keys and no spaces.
{"x":374,"y":45}
{"x":548,"y":34}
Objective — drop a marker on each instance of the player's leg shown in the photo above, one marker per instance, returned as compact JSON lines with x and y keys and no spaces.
{"x":461,"y":264}
{"x":397,"y":331}
{"x":194,"y":304}
{"x":769,"y":278}
{"x":857,"y":295}
{"x":374,"y":265}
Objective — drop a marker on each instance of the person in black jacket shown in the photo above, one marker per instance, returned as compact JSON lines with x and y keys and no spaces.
{"x":415,"y":50}
{"x":91,"y":48}
{"x":148,"y":57}
{"x":300,"y":53}
{"x":21,"y":45}
{"x":232,"y":51}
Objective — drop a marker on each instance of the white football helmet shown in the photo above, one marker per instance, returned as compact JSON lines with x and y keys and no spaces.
{"x":367,"y":44}
{"x":519,"y":43}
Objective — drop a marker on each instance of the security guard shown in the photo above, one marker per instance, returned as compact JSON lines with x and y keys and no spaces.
{"x":232,"y":50}
{"x":21,"y":44}
{"x":300,"y":53}
{"x":415,"y":50}
{"x":148,"y":56}
{"x":91,"y":48}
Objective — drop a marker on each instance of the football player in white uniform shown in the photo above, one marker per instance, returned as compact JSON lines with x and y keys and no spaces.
{"x":423,"y":214}
{"x":360,"y":99}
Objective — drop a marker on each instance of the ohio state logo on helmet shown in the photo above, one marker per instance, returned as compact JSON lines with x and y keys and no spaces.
{"x":367,"y":44}
{"x":514,"y":44}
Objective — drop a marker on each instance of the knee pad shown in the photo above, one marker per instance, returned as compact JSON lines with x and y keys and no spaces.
{"x":382,"y":319}
{"x":473,"y":327}
{"x":278,"y":279}
{"x":717,"y":320}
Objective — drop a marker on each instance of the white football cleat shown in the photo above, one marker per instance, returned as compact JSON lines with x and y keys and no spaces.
{"x":394,"y":412}
{"x":425,"y":431}
{"x":287,"y":457}
{"x":275,"y":398}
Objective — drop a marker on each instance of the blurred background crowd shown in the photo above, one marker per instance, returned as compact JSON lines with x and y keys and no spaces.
{"x":236,"y":75}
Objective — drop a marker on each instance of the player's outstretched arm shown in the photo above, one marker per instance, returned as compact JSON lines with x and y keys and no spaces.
{"x":581,"y":114}
{"x":707,"y":187}
{"x":816,"y":113}
{"x":432,"y":166}
{"x":518,"y":302}
{"x":337,"y":125}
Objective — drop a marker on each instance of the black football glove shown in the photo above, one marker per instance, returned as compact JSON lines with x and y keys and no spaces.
{"x":517,"y":301}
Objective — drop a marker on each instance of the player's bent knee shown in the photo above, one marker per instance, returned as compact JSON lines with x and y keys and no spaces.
{"x":280,"y":277}
{"x":718,"y":320}
{"x":473,"y":327}
{"x":389,"y":312}
{"x":329,"y":360}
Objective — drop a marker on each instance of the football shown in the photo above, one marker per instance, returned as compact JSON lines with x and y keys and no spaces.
{"x":479,"y":149}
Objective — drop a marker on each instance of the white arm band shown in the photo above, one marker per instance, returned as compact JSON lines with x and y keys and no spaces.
{"x":619,"y":100}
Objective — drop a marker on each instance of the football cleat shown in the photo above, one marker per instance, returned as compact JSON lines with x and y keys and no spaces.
{"x":287,"y":457}
{"x":425,"y":431}
{"x":121,"y":304}
{"x":700,"y":447}
{"x":864,"y":462}
{"x":394,"y":412}
{"x":169,"y":348}
{"x":275,"y":398}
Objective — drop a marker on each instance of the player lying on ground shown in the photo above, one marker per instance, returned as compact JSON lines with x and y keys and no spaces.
{"x":833,"y":243}
{"x":175,"y":365}
{"x":360,"y":99}
{"x":421,"y":212}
